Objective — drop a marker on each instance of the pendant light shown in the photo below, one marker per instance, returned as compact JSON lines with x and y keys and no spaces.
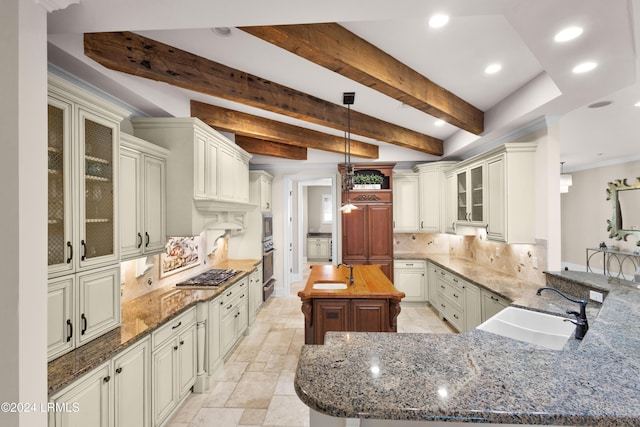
{"x":347,"y":179}
{"x":565,"y":180}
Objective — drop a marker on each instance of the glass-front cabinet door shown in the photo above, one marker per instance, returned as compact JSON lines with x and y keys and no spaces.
{"x":470,"y":194}
{"x":60,"y":222}
{"x":98,"y":152}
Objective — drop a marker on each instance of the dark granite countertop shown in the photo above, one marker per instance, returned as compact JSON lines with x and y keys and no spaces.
{"x":140,"y":317}
{"x":482,"y":377}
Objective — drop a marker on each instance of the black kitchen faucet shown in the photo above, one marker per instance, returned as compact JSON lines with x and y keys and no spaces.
{"x":582,"y":326}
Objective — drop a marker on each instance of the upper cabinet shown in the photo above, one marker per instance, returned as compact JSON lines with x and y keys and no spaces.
{"x":431,"y":191}
{"x":470,"y":195}
{"x":406,"y":203}
{"x":260,"y":189}
{"x":83,"y":147}
{"x":142,"y":197}
{"x":495,"y":190}
{"x":206,"y":172}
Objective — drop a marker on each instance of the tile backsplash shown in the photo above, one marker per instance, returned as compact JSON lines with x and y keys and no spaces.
{"x":526,"y":262}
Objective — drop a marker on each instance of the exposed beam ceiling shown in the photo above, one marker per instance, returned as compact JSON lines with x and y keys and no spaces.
{"x":334,"y":47}
{"x":134,"y":54}
{"x":270,"y":148}
{"x":272,"y":130}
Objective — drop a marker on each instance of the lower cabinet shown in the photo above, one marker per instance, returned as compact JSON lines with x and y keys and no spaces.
{"x":115,"y":394}
{"x":492,"y":304}
{"x":174,"y":364}
{"x":318,"y":248}
{"x":234,"y":314}
{"x":361,"y":315}
{"x":459,"y":302}
{"x":255,"y":293}
{"x":410,"y":278}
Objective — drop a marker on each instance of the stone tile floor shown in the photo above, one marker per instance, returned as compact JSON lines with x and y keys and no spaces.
{"x":256,"y":385}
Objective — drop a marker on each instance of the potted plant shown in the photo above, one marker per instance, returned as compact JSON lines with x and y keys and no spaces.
{"x":367,"y":182}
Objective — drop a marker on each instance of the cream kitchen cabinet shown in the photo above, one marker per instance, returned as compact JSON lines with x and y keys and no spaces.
{"x":234,"y":314}
{"x":83,"y":145}
{"x":510,"y":188}
{"x":458,"y":301}
{"x":318,"y":248}
{"x":255,"y":293}
{"x":142,"y":197}
{"x":406,"y":203}
{"x":450,"y":200}
{"x":470,"y":195}
{"x":173,"y":364}
{"x":261,"y":189}
{"x":410,"y":278}
{"x":115,"y":394}
{"x":81,"y":307}
{"x":432,"y":194}
{"x":472,"y":306}
{"x":492,"y":304}
{"x":206,"y":172}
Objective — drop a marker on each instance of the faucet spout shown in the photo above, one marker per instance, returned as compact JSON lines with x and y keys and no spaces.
{"x":582,"y":325}
{"x":350,"y":267}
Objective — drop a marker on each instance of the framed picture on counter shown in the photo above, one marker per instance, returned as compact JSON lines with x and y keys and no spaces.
{"x":181,"y":253}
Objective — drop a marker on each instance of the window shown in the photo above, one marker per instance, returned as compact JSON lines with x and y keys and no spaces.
{"x":327,"y":209}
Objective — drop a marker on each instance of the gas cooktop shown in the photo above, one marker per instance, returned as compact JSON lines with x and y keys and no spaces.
{"x":213,"y":277}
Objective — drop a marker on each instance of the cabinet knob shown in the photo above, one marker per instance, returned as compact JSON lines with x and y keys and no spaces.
{"x":106,"y":379}
{"x":119,"y":370}
{"x":175,"y":347}
{"x":182,"y":342}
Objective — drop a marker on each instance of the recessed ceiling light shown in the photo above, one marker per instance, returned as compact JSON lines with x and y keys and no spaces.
{"x":493,"y":68}
{"x":222,"y":31}
{"x":439,"y":122}
{"x":584,"y":67}
{"x":637,"y":104}
{"x":567,"y":34}
{"x":599,"y":104}
{"x":438,"y":20}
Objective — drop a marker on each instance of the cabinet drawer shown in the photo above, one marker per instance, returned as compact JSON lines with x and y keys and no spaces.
{"x":452,"y":290}
{"x":173,"y":327}
{"x":417,"y":264}
{"x":451,"y":312}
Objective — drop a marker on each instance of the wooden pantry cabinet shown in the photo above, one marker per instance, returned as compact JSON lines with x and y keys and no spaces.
{"x":367,"y":232}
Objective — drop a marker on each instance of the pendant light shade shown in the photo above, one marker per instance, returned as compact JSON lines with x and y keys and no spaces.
{"x":348,"y":99}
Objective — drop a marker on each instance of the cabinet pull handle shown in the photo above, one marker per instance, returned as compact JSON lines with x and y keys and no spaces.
{"x":84,"y":250}
{"x":456,"y":316}
{"x":421,"y":224}
{"x":139,"y":240}
{"x":230,"y":306}
{"x":181,"y":342}
{"x":442,"y":305}
{"x":177,"y":326}
{"x":442,"y":272}
{"x":175,"y":347}
{"x":84,"y":323}
{"x":242,"y":296}
{"x":146,"y":245}
{"x":455,"y":280}
{"x":106,"y":379}
{"x":70,"y":329}
{"x":119,"y":370}
{"x":455,"y":296}
{"x":409,"y":265}
{"x":441,"y":286}
{"x":70,"y":248}
{"x":229,"y":294}
{"x":221,"y":302}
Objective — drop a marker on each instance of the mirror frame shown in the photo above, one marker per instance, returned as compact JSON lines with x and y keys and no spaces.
{"x":616,"y":220}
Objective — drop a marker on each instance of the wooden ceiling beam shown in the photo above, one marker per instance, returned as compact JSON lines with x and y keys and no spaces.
{"x":261,"y":128}
{"x":334,"y":47}
{"x":270,"y":148}
{"x":137,"y":55}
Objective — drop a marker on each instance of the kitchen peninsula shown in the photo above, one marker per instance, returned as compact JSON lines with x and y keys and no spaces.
{"x":480,"y":377}
{"x":331,"y":301}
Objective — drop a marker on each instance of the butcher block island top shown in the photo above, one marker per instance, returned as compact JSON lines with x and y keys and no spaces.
{"x":370,"y":304}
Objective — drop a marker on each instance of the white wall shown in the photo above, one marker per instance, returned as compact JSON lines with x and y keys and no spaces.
{"x":23,"y":166}
{"x":585,"y":211}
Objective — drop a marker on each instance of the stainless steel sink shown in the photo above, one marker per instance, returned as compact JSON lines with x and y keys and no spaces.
{"x":529,"y":326}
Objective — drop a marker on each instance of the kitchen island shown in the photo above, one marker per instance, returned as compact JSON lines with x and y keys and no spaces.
{"x":480,"y":377}
{"x":368,"y":303}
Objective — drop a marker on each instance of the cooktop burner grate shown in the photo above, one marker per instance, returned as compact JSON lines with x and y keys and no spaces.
{"x":213,"y":277}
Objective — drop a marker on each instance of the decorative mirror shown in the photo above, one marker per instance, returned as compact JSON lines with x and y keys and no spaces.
{"x":626,"y":210}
